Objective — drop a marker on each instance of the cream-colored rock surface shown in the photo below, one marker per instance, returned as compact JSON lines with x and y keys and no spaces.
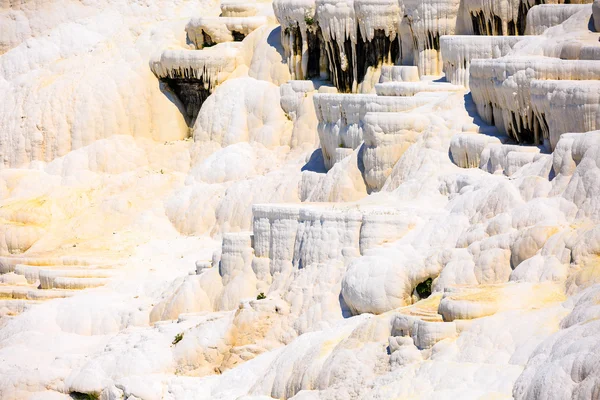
{"x":181,"y":221}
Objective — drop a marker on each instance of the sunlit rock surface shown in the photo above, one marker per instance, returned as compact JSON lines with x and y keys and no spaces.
{"x":308,"y":199}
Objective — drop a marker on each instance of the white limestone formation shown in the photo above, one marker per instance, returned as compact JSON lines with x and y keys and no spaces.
{"x":222,"y":223}
{"x":494,"y":84}
{"x":208,"y":31}
{"x":340,"y":119}
{"x":301,"y":38}
{"x":407,"y":89}
{"x":427,"y":21}
{"x":241,"y":8}
{"x":458,"y":50}
{"x":558,"y":101}
{"x":544,"y":16}
{"x":509,"y":17}
{"x":398,"y":73}
{"x":387,"y":136}
{"x":193,"y":74}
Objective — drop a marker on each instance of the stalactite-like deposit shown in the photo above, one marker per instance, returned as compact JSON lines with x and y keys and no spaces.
{"x":501,"y":89}
{"x":339,"y":38}
{"x":338,"y":25}
{"x":563,"y":106}
{"x":301,"y":38}
{"x":428,"y":20}
{"x":208,"y":31}
{"x":505,"y":17}
{"x":458,"y":51}
{"x":193,"y":74}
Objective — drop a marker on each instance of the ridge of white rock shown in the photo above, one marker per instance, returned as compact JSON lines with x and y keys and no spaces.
{"x":241,"y":8}
{"x":404,"y":89}
{"x":387,"y":135}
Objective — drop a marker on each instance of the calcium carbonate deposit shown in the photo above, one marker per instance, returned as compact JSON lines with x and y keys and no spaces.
{"x":299,"y":199}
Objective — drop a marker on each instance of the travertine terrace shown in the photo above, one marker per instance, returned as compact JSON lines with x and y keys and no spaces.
{"x":299,"y":199}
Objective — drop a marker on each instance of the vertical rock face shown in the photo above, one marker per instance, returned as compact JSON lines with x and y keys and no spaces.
{"x":502,"y":87}
{"x":507,"y":17}
{"x":347,"y":40}
{"x":341,"y":119}
{"x":397,"y":73}
{"x":566,"y":106}
{"x":458,"y":51}
{"x":301,"y":38}
{"x":427,"y":21}
{"x":338,"y":24}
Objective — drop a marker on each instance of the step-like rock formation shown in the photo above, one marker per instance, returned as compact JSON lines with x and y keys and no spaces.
{"x":501,"y":90}
{"x":341,"y":119}
{"x":412,"y":88}
{"x":566,"y":106}
{"x":505,"y":17}
{"x":458,"y":51}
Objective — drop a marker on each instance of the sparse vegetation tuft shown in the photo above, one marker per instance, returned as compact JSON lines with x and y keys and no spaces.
{"x":178,"y":338}
{"x":424,"y":288}
{"x":84,"y":396}
{"x":261,"y":296}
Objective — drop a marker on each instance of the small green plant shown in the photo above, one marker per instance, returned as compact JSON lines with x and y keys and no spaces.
{"x":261,"y":296}
{"x":84,"y":396}
{"x":178,"y":338}
{"x":309,"y":20}
{"x":424,"y":288}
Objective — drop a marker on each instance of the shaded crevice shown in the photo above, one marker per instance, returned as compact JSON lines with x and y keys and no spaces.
{"x":191,"y":92}
{"x":207,"y":40}
{"x":237,"y":36}
{"x":526,"y":130}
{"x":351,"y":62}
